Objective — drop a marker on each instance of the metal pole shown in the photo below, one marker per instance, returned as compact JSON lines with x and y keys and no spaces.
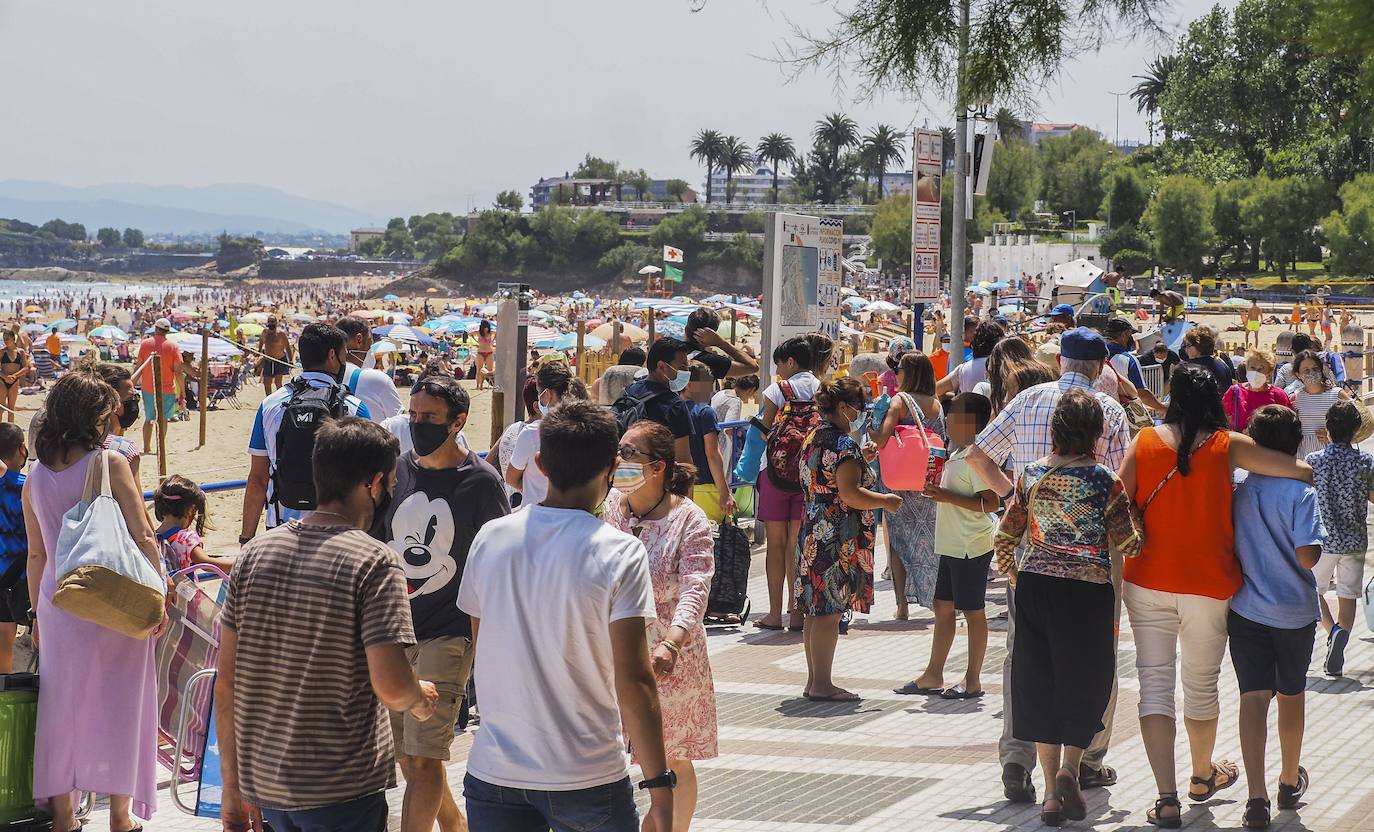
{"x":161,"y":418}
{"x":204,"y":396}
{"x":917,"y":327}
{"x":958,"y":233}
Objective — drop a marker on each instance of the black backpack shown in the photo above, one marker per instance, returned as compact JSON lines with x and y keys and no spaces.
{"x":293,"y":481}
{"x":629,"y":409}
{"x":728,"y":601}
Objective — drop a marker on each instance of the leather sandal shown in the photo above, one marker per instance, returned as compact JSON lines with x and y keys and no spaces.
{"x":1052,"y":817}
{"x":1256,"y":813}
{"x":1070,"y":796}
{"x":1225,"y":767}
{"x":1167,"y":800}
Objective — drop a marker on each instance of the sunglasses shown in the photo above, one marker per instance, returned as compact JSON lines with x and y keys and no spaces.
{"x":630,"y":453}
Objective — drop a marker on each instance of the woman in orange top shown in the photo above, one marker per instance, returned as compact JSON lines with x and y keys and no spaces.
{"x":1177,"y":591}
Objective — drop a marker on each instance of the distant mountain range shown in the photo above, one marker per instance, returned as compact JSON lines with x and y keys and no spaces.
{"x":176,"y":209}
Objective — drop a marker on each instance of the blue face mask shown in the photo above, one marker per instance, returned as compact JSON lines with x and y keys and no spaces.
{"x":679,"y":383}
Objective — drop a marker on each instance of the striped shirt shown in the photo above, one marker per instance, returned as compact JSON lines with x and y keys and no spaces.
{"x":306,"y":601}
{"x":1021,"y":432}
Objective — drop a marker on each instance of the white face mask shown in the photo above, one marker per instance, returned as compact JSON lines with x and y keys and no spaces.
{"x":1256,"y":378}
{"x":679,"y":383}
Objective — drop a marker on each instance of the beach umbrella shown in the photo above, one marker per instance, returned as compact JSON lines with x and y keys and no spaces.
{"x":302,"y":318}
{"x":678,"y":319}
{"x":391,"y":297}
{"x":578,"y":294}
{"x":568,"y":341}
{"x":547,"y":307}
{"x":63,"y":325}
{"x":848,"y":290}
{"x":853,"y":301}
{"x":112,"y":333}
{"x":670,"y":329}
{"x":32,"y":308}
{"x":485,"y":309}
{"x":368,"y":314}
{"x":254,"y":317}
{"x":540,"y":333}
{"x":997,"y":286}
{"x":250,"y":329}
{"x":398,"y":332}
{"x":398,"y":318}
{"x":628,"y":332}
{"x":218,"y":347}
{"x":650,"y":270}
{"x":33,"y":328}
{"x":538,"y":315}
{"x":741,"y":330}
{"x":882,"y":306}
{"x":72,"y":338}
{"x":1235,"y":302}
{"x":383,"y":347}
{"x":558,"y":319}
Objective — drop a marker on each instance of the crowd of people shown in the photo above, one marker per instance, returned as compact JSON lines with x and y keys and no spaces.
{"x":388,"y":571}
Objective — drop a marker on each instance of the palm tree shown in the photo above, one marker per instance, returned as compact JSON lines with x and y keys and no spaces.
{"x":837,"y":131}
{"x":1008,"y":125}
{"x":947,"y":148}
{"x":640,"y":181}
{"x":880,"y":148}
{"x":677,"y":188}
{"x":735,"y":155}
{"x":775,"y":148}
{"x":1148,"y":94}
{"x":706,"y":148}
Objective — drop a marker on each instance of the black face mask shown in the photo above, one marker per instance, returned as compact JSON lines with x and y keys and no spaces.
{"x":129,"y":414}
{"x":427,"y":437}
{"x":380,"y":506}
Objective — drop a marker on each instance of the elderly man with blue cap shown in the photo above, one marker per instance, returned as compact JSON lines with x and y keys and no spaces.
{"x":1020,"y":433}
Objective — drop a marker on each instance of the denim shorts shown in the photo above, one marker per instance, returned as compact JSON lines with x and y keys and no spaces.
{"x":606,"y":808}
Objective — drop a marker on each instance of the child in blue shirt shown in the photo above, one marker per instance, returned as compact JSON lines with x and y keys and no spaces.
{"x":1344,"y":478}
{"x":14,"y":543}
{"x":1273,"y":616}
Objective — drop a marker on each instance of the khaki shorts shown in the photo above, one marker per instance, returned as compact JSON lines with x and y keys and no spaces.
{"x":447,"y":662}
{"x":1347,"y":569}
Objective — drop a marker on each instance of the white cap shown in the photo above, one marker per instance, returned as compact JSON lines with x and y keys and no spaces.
{"x":162,"y":323}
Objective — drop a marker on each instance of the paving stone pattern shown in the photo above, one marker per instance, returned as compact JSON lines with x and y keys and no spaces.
{"x":917,"y":763}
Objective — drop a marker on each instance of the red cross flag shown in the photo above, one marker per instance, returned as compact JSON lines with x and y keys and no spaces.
{"x":672,"y":255}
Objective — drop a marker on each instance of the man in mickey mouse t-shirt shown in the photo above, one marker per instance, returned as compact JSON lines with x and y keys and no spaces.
{"x":444,"y":493}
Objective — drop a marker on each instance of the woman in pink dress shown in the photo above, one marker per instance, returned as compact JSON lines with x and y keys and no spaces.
{"x":97,"y":703}
{"x":650,"y":501}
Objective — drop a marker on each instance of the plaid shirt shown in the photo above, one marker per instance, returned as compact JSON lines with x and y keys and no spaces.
{"x":1021,"y":432}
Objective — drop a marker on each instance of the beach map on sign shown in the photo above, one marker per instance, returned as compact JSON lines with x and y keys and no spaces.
{"x":800,"y":268}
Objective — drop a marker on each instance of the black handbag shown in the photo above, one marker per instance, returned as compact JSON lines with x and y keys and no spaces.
{"x":728,"y":602}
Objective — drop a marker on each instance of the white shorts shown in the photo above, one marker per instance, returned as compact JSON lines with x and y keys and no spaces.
{"x":1348,"y":571}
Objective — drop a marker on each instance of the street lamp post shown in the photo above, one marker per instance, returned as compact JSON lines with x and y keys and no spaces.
{"x":1073,"y":232}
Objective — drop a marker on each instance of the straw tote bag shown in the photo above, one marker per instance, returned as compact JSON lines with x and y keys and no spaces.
{"x":102,"y":575}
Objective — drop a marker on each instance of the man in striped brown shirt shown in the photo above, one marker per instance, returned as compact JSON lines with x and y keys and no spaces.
{"x":312,"y":653}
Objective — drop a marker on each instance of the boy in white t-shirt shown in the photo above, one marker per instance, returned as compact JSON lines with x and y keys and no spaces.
{"x":558,"y":601}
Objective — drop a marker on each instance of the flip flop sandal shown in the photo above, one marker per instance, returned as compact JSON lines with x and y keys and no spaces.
{"x":1155,"y":816}
{"x":913,"y":689}
{"x":1225,"y":767}
{"x":958,"y":692}
{"x":1070,"y":797}
{"x":762,"y":626}
{"x":834,"y":697}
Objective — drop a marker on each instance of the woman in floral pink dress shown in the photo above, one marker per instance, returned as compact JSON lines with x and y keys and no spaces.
{"x":650,"y":501}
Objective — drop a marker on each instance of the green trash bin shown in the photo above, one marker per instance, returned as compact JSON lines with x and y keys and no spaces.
{"x":18,"y":723}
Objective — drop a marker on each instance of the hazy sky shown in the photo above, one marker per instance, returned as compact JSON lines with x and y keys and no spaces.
{"x":420,"y":105}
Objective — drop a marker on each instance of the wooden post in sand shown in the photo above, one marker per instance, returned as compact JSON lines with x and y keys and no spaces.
{"x":161,"y":418}
{"x":498,"y":416}
{"x":204,"y":396}
{"x":734,"y":322}
{"x":581,"y":349}
{"x":653,"y":317}
{"x":615,"y":335}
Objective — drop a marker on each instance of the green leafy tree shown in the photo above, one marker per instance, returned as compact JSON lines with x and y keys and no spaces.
{"x":1281,"y":215}
{"x":510,"y":201}
{"x":133,"y":238}
{"x":238,"y":252}
{"x":677,"y":188}
{"x":1127,"y":196}
{"x":63,"y":230}
{"x":1180,"y":216}
{"x":1127,"y":239}
{"x":109,"y":238}
{"x":398,"y":243}
{"x":1350,"y":230}
{"x":892,"y":231}
{"x":1072,"y":168}
{"x":1014,"y":180}
{"x":735,"y":156}
{"x":1234,"y":237}
{"x":640,"y":180}
{"x":707,"y":148}
{"x":684,"y":230}
{"x":626,"y":260}
{"x":775,"y":148}
{"x":881,"y":148}
{"x":594,"y":167}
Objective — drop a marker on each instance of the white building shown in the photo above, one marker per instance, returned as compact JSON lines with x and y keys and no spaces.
{"x":1009,"y":256}
{"x":358,"y":236}
{"x":750,"y":188}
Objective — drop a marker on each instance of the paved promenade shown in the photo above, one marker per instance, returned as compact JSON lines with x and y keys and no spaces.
{"x":901,"y":763}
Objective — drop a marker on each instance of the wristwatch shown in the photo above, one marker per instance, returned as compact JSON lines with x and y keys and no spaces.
{"x":666,"y":780}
